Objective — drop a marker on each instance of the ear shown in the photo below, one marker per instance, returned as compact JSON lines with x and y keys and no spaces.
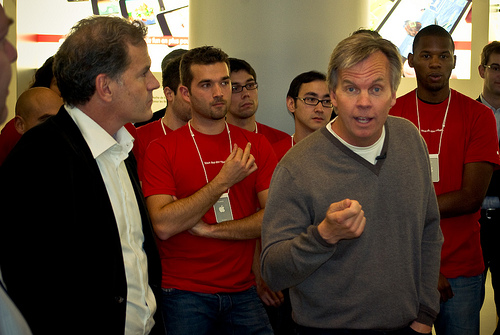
{"x":410,"y":59}
{"x":454,"y":61}
{"x":393,"y":98}
{"x":19,"y":124}
{"x":169,"y":94}
{"x":480,"y":69}
{"x":333,"y":97}
{"x":185,"y":93}
{"x":290,"y":104}
{"x":104,"y":87}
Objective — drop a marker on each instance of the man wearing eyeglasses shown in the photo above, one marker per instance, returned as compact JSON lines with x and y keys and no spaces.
{"x":245,"y":101}
{"x":308,"y":100}
{"x":489,"y":70}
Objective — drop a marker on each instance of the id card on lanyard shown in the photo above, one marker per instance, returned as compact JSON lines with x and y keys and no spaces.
{"x":434,"y":159}
{"x":222,"y":209}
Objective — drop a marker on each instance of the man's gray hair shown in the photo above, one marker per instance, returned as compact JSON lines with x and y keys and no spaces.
{"x":356,"y":48}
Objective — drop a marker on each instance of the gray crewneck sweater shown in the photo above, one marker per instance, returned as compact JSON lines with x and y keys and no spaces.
{"x":386,"y":278}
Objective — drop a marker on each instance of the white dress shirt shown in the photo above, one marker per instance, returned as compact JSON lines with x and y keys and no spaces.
{"x":110,"y":153}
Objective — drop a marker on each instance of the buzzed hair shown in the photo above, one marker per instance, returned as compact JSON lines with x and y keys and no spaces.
{"x":432,"y":30}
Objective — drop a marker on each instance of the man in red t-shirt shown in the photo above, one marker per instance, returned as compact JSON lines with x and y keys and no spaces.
{"x":177,"y":113}
{"x":463,"y":150}
{"x":206,"y":188}
{"x":245,"y":101}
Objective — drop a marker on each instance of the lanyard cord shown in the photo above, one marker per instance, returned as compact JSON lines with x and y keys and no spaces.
{"x":198,"y":149}
{"x":444,"y":121}
{"x":163,"y":127}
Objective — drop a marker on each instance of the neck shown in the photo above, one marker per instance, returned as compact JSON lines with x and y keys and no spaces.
{"x":171,"y":121}
{"x":492,"y":99}
{"x":434,"y":97}
{"x":208,"y":126}
{"x":301,"y":133}
{"x":106,"y":121}
{"x":248,"y":123}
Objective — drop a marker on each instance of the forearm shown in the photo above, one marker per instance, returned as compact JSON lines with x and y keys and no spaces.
{"x":466,"y":200}
{"x":242,"y":229}
{"x":171,"y":216}
{"x":458,"y":203}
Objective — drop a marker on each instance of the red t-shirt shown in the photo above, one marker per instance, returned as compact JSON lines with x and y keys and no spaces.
{"x":8,"y":139}
{"x":469,"y":136}
{"x":145,"y":135}
{"x":172,"y":166}
{"x":282,"y":147}
{"x":273,"y":135}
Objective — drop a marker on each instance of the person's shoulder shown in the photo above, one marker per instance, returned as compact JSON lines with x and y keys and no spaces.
{"x":470,"y":105}
{"x":399,"y":121}
{"x":272,"y":134}
{"x":145,"y":129}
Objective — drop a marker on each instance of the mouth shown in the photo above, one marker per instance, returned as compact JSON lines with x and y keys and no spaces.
{"x":435,"y":76}
{"x":363,"y":120}
{"x":247,"y":105}
{"x":318,"y":119}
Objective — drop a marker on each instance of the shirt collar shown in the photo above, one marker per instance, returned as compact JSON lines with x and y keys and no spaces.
{"x":96,"y":137}
{"x":483,"y":101}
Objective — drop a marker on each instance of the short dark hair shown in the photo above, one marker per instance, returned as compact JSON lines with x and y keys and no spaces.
{"x":170,"y":56}
{"x":204,"y":55}
{"x":237,"y":65}
{"x":488,"y":50}
{"x":432,"y":30}
{"x":43,"y":76}
{"x":171,"y":74}
{"x":303,"y":78}
{"x":95,"y":45}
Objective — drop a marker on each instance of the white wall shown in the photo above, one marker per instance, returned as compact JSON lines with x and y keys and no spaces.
{"x":280,"y":39}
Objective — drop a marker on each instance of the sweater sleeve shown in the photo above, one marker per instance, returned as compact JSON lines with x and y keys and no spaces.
{"x":432,"y":239}
{"x":292,"y":247}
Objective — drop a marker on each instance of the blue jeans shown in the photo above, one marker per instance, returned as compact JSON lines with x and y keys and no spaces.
{"x":460,"y":314}
{"x":192,"y":313}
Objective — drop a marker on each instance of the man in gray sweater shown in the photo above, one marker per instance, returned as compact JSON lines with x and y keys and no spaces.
{"x":352,"y":269}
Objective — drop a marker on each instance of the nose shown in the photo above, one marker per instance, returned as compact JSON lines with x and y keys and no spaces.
{"x":435,"y":61}
{"x":153,"y":82}
{"x":217,"y":90}
{"x":318,"y":108}
{"x":363,"y":98}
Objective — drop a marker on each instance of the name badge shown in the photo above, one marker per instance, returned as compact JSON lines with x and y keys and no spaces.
{"x":434,"y":158}
{"x":222,"y":209}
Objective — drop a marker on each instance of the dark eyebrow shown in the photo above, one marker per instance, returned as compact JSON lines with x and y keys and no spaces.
{"x":311,"y":93}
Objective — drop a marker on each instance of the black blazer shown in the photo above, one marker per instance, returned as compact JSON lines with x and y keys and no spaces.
{"x":494,"y":188}
{"x":60,"y":251}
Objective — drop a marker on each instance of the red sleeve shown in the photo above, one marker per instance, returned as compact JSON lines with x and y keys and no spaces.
{"x":158,"y":176}
{"x":483,"y":144}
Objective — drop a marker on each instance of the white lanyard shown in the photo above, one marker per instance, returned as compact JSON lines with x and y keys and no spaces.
{"x":197,"y":149}
{"x":256,"y":130}
{"x":433,"y":131}
{"x":163,"y":127}
{"x":292,"y":138}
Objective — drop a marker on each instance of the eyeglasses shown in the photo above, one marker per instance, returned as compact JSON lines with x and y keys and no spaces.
{"x":314,"y":102}
{"x":494,"y":67}
{"x":239,"y":88}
